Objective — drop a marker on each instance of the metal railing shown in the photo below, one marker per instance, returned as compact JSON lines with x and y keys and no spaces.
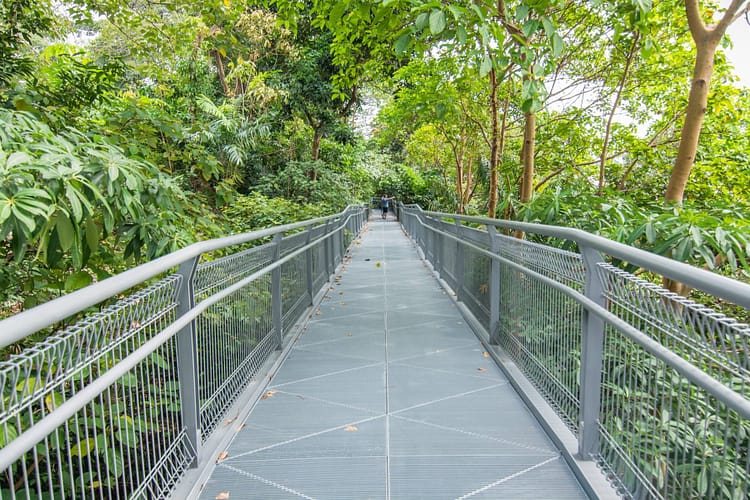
{"x":654,"y":387}
{"x":120,"y":403}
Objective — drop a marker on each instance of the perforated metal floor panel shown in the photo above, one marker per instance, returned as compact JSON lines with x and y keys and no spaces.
{"x":387,"y":395}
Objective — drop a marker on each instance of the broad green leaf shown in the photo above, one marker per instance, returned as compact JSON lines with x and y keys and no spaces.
{"x":422,"y":20}
{"x":486,"y":66}
{"x":7,"y":434}
{"x":557,"y":45}
{"x":65,"y":231}
{"x":92,"y":234}
{"x":437,"y":22}
{"x":77,"y":280}
{"x":17,"y":158}
{"x":402,"y":43}
{"x":53,"y":400}
{"x":83,"y":448}
{"x":461,"y":35}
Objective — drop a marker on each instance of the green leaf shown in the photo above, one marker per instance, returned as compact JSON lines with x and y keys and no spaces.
{"x":402,"y":43}
{"x":65,"y":231}
{"x":92,"y":234}
{"x":422,"y":20}
{"x":7,"y":434}
{"x":437,"y":22}
{"x":461,"y":35}
{"x":83,"y":448}
{"x":77,"y":280}
{"x":486,"y":66}
{"x":557,"y":45}
{"x":17,"y":158}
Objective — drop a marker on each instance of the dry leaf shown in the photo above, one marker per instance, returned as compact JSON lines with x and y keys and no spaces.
{"x":351,"y":428}
{"x":348,"y":334}
{"x":268,"y":394}
{"x":317,"y":313}
{"x":223,"y":455}
{"x":485,"y":354}
{"x":481,"y":369}
{"x":222,"y":496}
{"x":241,"y":426}
{"x":484,"y":288}
{"x":377,"y":264}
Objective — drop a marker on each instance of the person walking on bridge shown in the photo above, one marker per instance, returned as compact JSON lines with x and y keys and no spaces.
{"x":384,"y":201}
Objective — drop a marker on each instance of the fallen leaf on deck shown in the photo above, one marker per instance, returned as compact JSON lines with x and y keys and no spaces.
{"x":223,"y":455}
{"x":241,"y":426}
{"x":485,"y":354}
{"x":377,"y":264}
{"x":351,"y":428}
{"x":481,"y":369}
{"x":268,"y":394}
{"x":224,"y":495}
{"x":317,"y":313}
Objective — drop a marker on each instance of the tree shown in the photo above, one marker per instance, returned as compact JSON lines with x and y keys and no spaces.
{"x":706,"y":38}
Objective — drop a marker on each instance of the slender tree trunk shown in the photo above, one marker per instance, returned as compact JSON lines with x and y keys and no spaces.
{"x":317,"y":135}
{"x":494,"y":143}
{"x":618,"y":96}
{"x":459,"y":184}
{"x":529,"y":138}
{"x":220,"y":72}
{"x":469,"y":189}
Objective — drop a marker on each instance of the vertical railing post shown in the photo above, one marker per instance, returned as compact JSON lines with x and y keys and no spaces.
{"x":327,"y":244}
{"x":309,"y":264}
{"x":592,"y":351}
{"x":459,"y":262}
{"x":494,"y":286}
{"x":187,"y":360}
{"x":276,"y":302}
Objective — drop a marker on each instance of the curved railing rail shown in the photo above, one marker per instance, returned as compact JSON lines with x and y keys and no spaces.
{"x":655,"y":387}
{"x":120,"y":404}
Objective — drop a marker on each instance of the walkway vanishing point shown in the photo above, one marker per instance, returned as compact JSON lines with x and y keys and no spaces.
{"x":388,"y":394}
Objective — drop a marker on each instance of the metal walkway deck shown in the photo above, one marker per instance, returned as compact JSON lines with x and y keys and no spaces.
{"x":387,"y":394}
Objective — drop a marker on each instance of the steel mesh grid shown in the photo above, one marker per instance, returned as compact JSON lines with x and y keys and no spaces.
{"x":292,"y":242}
{"x":476,"y":289}
{"x":720,"y":345}
{"x":233,"y":339}
{"x":107,"y":449}
{"x":662,"y":435}
{"x":295,"y":297}
{"x":216,"y":275}
{"x":561,"y":265}
{"x":540,"y":329}
{"x":320,"y":274}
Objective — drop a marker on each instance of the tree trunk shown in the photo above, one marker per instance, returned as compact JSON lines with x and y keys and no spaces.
{"x":529,"y":138}
{"x":494,"y":146}
{"x":220,"y":72}
{"x":691,"y":129}
{"x":469,"y":182}
{"x":459,"y":184}
{"x":317,"y":135}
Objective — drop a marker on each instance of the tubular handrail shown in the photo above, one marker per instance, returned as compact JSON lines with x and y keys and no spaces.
{"x":715,"y":284}
{"x":44,"y":315}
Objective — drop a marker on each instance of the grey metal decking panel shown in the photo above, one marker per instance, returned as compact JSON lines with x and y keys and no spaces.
{"x":387,"y":395}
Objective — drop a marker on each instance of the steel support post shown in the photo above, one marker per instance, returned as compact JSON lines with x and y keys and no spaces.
{"x":309,"y":264}
{"x":276,"y":302}
{"x":494,"y":286}
{"x":187,"y":360}
{"x":592,"y":348}
{"x":459,"y":270}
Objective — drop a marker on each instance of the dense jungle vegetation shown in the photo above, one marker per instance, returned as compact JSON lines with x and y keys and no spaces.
{"x":131,"y":129}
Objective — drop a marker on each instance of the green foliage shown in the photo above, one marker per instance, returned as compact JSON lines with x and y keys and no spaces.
{"x":67,"y":201}
{"x":257,"y":211}
{"x":20,"y":22}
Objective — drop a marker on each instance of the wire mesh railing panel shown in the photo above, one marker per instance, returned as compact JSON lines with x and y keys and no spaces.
{"x":476,"y":284}
{"x":233,"y":338}
{"x":221,"y":273}
{"x":295,"y":297}
{"x":714,"y":341}
{"x":662,"y":436}
{"x":561,"y":265}
{"x":320,"y":273}
{"x":293,"y":242}
{"x":107,"y":447}
{"x":540,"y":329}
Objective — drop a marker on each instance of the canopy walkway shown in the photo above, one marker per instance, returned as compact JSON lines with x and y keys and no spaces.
{"x":341,"y":358}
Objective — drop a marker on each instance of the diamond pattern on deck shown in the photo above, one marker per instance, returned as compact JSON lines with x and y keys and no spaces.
{"x":387,"y":395}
